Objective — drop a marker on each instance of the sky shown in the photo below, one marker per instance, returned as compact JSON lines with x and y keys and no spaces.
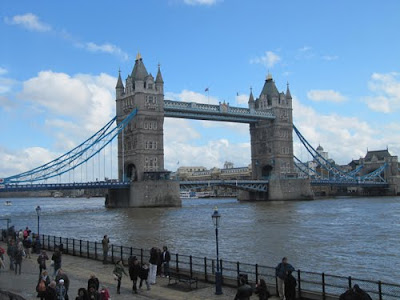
{"x":59,"y":64}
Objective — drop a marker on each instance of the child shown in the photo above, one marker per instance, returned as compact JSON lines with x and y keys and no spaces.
{"x":143,"y":275}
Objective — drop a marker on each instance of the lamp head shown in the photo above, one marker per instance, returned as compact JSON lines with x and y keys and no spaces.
{"x":38,"y":210}
{"x":216,"y":217}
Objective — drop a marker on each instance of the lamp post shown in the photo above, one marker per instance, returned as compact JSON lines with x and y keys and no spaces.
{"x":218,"y":275}
{"x":38,"y":211}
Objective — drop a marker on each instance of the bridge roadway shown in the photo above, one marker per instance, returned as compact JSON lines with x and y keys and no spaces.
{"x":247,"y":185}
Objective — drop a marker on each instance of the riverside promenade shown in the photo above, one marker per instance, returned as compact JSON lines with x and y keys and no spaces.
{"x":79,"y":270}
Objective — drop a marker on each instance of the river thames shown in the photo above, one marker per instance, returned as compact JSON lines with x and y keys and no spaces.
{"x":357,"y":237}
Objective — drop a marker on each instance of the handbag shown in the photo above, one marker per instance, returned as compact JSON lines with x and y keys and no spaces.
{"x":52,"y":263}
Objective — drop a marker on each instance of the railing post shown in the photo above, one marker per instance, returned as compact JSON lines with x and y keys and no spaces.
{"x":60,"y":242}
{"x":191,"y":265}
{"x":48,"y":242}
{"x":43,"y":243}
{"x":112,"y":253}
{"x":67,"y":245}
{"x":212,"y":266}
{"x":73,"y":247}
{"x":349,"y":282}
{"x":80,"y":248}
{"x":299,"y":283}
{"x":87,"y":248}
{"x":380,"y":289}
{"x":141,"y":256}
{"x":238,"y":273}
{"x":323,"y":286}
{"x":95,"y":250}
{"x":177,"y":262}
{"x":54,"y":243}
{"x":122,"y":254}
{"x":256,"y":273}
{"x":131,"y":251}
{"x":205,"y":270}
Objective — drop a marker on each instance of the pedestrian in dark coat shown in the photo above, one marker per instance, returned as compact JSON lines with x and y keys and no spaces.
{"x":159,"y":261}
{"x":42,"y":261}
{"x":56,"y":258}
{"x":281,"y":271}
{"x":165,"y":258}
{"x":82,"y":294}
{"x":244,"y":291}
{"x":262,"y":290}
{"x":154,"y":258}
{"x":10,"y":252}
{"x":18,"y":256}
{"x":134,"y":271}
{"x":361,"y":293}
{"x":51,"y":293}
{"x":118,"y":272}
{"x":93,"y":294}
{"x":144,"y":275}
{"x":290,"y":287}
{"x":93,"y":281}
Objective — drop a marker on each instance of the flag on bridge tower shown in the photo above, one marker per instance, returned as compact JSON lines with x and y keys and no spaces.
{"x":206,"y":90}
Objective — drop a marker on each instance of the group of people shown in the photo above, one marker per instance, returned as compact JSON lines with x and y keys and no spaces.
{"x":158,"y":265}
{"x":286,"y":284}
{"x":19,"y":246}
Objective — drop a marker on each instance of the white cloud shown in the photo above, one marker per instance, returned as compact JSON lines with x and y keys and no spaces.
{"x":330,"y":57}
{"x":16,"y":161}
{"x":345,"y":138}
{"x":325,"y":95}
{"x":190,"y":96}
{"x":79,"y":105}
{"x":3,"y":71}
{"x":200,"y":2}
{"x":212,"y":154}
{"x":28,"y":21}
{"x":386,"y":88}
{"x":269,"y":59}
{"x":106,"y":48}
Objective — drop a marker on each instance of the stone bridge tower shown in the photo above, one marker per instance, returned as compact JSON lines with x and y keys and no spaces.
{"x":272,"y":147}
{"x":141,"y":144}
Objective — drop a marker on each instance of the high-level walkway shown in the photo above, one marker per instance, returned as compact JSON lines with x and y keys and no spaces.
{"x":79,"y":270}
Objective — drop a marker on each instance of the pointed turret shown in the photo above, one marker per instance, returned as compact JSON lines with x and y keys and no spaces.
{"x":139,"y":71}
{"x":288,"y":95}
{"x":119,"y":88}
{"x":269,"y":90}
{"x":251,"y":100}
{"x":159,"y":78}
{"x":159,"y":81}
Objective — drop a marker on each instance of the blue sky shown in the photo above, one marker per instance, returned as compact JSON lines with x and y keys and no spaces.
{"x":59,"y":62}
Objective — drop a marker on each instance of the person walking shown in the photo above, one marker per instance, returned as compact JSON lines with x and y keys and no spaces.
{"x":153,"y":265}
{"x":290,"y":286}
{"x":42,"y":261}
{"x":41,"y":288}
{"x":10,"y":252}
{"x":28,"y":246}
{"x":144,"y":275}
{"x":18,"y":256}
{"x":82,"y":294}
{"x":134,"y":270}
{"x":281,"y":271}
{"x":118,"y":273}
{"x":262,"y":290}
{"x":166,"y":258}
{"x":106,"y":246}
{"x":93,"y":294}
{"x":56,"y":258}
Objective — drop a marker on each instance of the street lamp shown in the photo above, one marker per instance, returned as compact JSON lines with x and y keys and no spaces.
{"x":38,"y":211}
{"x":216,"y":217}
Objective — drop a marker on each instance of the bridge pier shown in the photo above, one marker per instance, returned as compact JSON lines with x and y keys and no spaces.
{"x":150,"y":193}
{"x":281,"y":190}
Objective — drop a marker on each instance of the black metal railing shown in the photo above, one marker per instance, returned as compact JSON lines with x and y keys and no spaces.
{"x":309,"y":284}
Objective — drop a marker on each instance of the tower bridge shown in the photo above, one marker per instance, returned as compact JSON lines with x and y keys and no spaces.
{"x":144,"y":182}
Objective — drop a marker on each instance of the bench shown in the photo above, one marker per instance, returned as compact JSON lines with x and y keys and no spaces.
{"x":180,"y":277}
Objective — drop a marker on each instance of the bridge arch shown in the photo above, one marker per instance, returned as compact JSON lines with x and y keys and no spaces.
{"x":131,"y":172}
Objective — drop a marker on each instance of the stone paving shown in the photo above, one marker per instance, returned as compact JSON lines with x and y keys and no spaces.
{"x":79,"y":270}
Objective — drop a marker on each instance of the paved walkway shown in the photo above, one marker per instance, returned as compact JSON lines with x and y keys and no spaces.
{"x":79,"y":270}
